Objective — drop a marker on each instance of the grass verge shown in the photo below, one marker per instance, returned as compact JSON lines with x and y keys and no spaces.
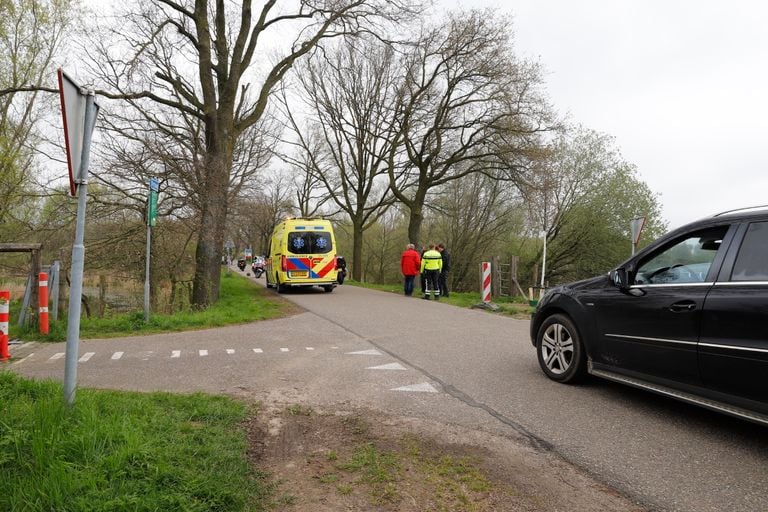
{"x":516,"y":307}
{"x":123,"y":451}
{"x":240,"y":301}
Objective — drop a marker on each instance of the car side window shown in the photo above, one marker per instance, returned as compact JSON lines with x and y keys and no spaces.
{"x":686,"y":260}
{"x":751,"y":263}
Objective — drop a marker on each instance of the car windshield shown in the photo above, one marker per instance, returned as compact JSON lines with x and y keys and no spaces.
{"x":309,"y":242}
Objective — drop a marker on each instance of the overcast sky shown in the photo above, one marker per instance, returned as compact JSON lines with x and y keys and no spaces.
{"x":682,"y":85}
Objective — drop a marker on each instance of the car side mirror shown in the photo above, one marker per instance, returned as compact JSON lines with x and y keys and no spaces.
{"x":620,"y":278}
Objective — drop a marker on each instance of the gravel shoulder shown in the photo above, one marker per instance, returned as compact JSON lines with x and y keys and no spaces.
{"x":342,"y":459}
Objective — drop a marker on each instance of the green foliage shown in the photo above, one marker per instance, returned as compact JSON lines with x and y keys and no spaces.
{"x":122,"y":451}
{"x":585,"y":195}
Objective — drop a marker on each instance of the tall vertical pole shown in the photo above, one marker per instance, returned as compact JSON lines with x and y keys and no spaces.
{"x":151,"y":220}
{"x":544,"y":261}
{"x":78,"y":260}
{"x":55,"y":290}
{"x":146,"y":274}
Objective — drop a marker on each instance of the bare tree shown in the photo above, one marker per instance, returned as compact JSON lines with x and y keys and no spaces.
{"x":467,"y":105}
{"x":475,"y":214}
{"x":199,"y":60}
{"x":349,"y":90}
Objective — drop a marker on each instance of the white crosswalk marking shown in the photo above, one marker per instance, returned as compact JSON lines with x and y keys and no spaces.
{"x":57,"y":355}
{"x":390,"y":366}
{"x":230,"y":351}
{"x":176,"y":353}
{"x":310,"y":348}
{"x":283,"y":350}
{"x":117,"y":355}
{"x":371,"y":352}
{"x":258,"y":350}
{"x":203,"y":353}
{"x":23,"y":359}
{"x":424,"y":387}
{"x":86,"y":356}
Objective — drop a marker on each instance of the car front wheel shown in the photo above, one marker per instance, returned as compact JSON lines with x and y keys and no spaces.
{"x":560,"y":351}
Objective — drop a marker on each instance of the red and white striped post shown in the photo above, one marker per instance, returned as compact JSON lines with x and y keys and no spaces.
{"x":486,"y":291}
{"x":5,"y":299}
{"x":43,"y":302}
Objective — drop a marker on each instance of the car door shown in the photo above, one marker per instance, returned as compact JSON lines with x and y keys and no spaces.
{"x":652,"y":328}
{"x":733,"y":350}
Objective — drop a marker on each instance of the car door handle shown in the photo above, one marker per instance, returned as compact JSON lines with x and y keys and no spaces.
{"x":682,"y":306}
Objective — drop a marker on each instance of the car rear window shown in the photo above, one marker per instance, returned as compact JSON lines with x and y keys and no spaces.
{"x":309,"y":242}
{"x":751,"y":263}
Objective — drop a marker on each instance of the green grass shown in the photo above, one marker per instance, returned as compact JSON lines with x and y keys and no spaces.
{"x":240,"y":301}
{"x":123,"y":451}
{"x":517,"y":307}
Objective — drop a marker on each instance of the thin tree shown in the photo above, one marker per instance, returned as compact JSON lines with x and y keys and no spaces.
{"x":349,"y":92}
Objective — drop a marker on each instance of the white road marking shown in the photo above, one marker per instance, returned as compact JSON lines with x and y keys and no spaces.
{"x":230,"y":351}
{"x":424,"y":387}
{"x":371,"y":352}
{"x":258,"y":350}
{"x":203,"y":353}
{"x":57,"y":355}
{"x":310,"y":348}
{"x":390,"y":366}
{"x":176,"y":353}
{"x":117,"y":355}
{"x":283,"y":350}
{"x":24,"y":358}
{"x":335,"y":348}
{"x":86,"y":356}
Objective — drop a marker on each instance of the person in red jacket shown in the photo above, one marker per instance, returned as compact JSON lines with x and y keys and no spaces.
{"x":410,"y":264}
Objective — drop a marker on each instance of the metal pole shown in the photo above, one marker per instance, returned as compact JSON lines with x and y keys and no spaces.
{"x":78,"y":261}
{"x":55,"y":268}
{"x":26,"y":301}
{"x":544,"y":261}
{"x":146,"y":275}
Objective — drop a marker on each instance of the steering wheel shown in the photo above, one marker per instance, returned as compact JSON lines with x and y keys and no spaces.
{"x":664,"y":269}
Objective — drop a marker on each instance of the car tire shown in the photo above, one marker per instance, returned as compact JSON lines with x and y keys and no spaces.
{"x":281,"y":288}
{"x":328,"y":288}
{"x":560,"y":351}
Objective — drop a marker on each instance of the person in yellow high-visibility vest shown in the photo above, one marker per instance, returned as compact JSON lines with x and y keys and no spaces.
{"x":431,"y":264}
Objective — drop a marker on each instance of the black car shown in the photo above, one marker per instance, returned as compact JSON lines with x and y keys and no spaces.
{"x":686,"y":317}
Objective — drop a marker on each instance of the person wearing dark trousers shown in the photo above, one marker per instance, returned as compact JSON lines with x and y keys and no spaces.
{"x":410,"y":264}
{"x":443,"y":277}
{"x":431,"y":263}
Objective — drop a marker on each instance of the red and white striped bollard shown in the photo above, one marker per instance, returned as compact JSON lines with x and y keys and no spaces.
{"x":5,"y":299}
{"x":43,"y":302}
{"x":486,"y":292}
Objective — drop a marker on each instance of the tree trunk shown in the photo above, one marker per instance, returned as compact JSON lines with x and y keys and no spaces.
{"x":102,"y":295}
{"x":210,"y":242}
{"x":416,"y":207}
{"x":357,"y":251}
{"x":414,"y":227}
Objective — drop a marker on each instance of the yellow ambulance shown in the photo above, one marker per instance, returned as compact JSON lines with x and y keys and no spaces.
{"x":302,"y":252}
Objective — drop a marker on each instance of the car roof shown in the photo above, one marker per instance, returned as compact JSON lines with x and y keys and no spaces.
{"x":738,"y":214}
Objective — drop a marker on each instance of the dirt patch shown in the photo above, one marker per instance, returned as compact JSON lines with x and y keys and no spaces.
{"x":361,"y":460}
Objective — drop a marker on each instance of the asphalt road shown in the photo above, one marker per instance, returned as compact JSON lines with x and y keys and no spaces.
{"x":467,"y":367}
